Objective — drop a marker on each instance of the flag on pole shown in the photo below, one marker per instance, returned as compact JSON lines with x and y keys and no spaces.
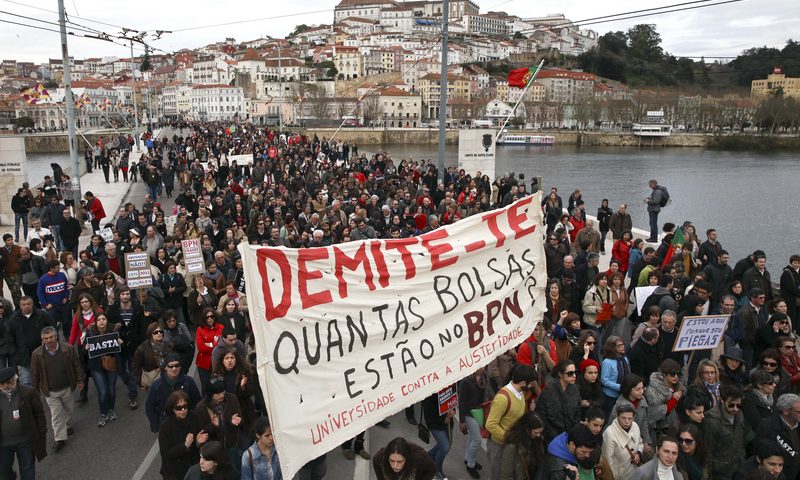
{"x":521,"y":76}
{"x":677,"y":239}
{"x":42,"y":93}
{"x":104,"y":105}
{"x":30,"y":96}
{"x":85,"y":99}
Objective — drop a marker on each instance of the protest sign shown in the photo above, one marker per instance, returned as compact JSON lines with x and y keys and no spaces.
{"x":642,"y":294}
{"x":378,"y":325}
{"x":193,"y":256}
{"x":100,"y":345}
{"x":448,"y":399}
{"x":700,"y":333}
{"x":106,"y":234}
{"x":137,"y":270}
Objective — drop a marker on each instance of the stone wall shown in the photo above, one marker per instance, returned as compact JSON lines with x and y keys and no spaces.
{"x":57,"y":143}
{"x":13,"y":172}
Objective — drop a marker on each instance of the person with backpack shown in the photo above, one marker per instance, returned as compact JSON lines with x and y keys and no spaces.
{"x":508,"y":406}
{"x":658,"y":199}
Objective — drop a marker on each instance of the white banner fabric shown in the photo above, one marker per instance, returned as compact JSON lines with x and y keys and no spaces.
{"x":350,"y":334}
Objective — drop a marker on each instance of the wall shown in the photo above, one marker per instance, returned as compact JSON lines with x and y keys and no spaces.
{"x":58,"y":143}
{"x":13,"y":172}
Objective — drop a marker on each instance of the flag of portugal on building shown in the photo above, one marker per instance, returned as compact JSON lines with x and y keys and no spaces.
{"x":520,"y":77}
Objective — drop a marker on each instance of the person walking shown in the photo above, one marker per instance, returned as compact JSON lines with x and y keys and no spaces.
{"x":473,"y":391}
{"x":53,"y":293}
{"x":179,"y":437}
{"x":261,"y":459}
{"x":56,"y":372}
{"x":23,"y":427}
{"x":11,"y":271}
{"x":654,"y":202}
{"x":103,"y":369}
{"x":441,"y":428}
{"x":96,"y":211}
{"x":70,"y":232}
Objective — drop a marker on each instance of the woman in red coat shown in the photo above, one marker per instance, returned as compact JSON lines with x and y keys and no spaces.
{"x":207,"y":338}
{"x":622,"y":251}
{"x":95,"y":209}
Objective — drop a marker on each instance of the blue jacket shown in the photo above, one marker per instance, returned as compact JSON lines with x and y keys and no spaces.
{"x":608,"y":376}
{"x":636,"y":254}
{"x":52,"y":289}
{"x":254,"y":464}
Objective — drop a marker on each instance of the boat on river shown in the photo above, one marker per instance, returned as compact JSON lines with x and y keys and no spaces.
{"x":507,"y":139}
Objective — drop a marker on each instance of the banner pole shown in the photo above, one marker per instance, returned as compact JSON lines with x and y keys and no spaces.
{"x":524,"y":91}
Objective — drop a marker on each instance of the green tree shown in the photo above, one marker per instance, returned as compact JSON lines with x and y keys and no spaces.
{"x":24,"y":122}
{"x":300,"y":29}
{"x":644,"y":43}
{"x":615,"y":42}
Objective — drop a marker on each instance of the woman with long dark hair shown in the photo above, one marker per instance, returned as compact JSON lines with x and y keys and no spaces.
{"x":206,"y":338}
{"x":559,"y":403}
{"x":524,"y":449}
{"x":770,"y":362}
{"x":589,"y":385}
{"x":613,"y":370}
{"x":179,"y":437}
{"x":214,"y":464}
{"x":586,"y":348}
{"x":692,"y":454}
{"x":234,"y":370}
{"x":103,"y":369}
{"x":402,"y":460}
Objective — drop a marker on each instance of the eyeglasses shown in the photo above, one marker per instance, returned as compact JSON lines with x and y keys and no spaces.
{"x":769,"y":364}
{"x":158,"y":332}
{"x":570,"y":373}
{"x":672,"y":374}
{"x":734,"y":406}
{"x":686,"y":441}
{"x":174,"y":365}
{"x":590,"y":343}
{"x":209,"y":316}
{"x":180,"y":408}
{"x":790,"y":347}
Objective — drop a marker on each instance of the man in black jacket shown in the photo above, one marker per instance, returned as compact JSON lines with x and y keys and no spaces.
{"x":23,"y":406}
{"x":70,"y":232}
{"x":646,"y":354}
{"x":26,"y":328}
{"x":20,"y":204}
{"x":782,"y":427}
{"x":128,"y":314}
{"x":170,"y":380}
{"x":719,"y":275}
{"x":790,"y":288}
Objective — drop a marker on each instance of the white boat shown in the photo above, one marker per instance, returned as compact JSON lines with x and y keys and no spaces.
{"x":526,"y":140}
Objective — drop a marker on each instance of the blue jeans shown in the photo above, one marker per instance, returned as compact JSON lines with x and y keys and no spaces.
{"x":125,"y":370}
{"x":473,"y":440}
{"x":439,"y":451}
{"x":106,"y":384}
{"x":153,"y":191}
{"x":61,"y":314}
{"x":17,"y":218}
{"x":653,"y":225}
{"x":25,"y":458}
{"x":24,"y":375}
{"x":56,"y":231}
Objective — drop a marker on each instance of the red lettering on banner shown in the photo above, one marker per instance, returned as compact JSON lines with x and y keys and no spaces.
{"x":436,"y":251}
{"x":343,"y":261}
{"x":516,"y":218}
{"x":400,"y":245}
{"x":380,"y":264}
{"x":475,"y":246}
{"x":304,"y":275}
{"x":491,"y":222}
{"x":272,"y":311}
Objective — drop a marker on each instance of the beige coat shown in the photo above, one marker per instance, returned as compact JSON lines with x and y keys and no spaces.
{"x":616,"y":445}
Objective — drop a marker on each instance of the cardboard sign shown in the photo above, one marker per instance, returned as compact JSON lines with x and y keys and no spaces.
{"x":106,"y":234}
{"x":379,"y":325}
{"x":137,"y":270}
{"x":193,"y":256}
{"x":700,"y":333}
{"x":448,"y":399}
{"x":105,"y":344}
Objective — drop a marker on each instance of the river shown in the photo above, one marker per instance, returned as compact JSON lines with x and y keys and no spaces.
{"x":749,"y":197}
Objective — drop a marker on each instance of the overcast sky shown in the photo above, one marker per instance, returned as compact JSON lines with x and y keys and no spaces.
{"x":715,"y":31}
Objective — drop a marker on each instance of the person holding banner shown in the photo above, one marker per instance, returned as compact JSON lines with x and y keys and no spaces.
{"x":103,"y":368}
{"x":441,"y":428}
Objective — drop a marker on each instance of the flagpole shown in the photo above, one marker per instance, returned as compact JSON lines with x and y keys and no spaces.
{"x":513,"y":110}
{"x":78,"y":130}
{"x":70,"y":105}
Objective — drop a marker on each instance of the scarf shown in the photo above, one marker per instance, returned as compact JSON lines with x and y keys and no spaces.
{"x":765,"y":399}
{"x":622,"y":369}
{"x":713,"y":389}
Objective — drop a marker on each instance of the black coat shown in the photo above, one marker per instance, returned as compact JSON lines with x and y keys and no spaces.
{"x":70,"y":232}
{"x":27,"y":333}
{"x":174,"y":299}
{"x":559,"y":409}
{"x":754,"y":410}
{"x":176,"y":459}
{"x":226,"y":433}
{"x":645,"y":359}
{"x":34,"y":421}
{"x":774,"y":428}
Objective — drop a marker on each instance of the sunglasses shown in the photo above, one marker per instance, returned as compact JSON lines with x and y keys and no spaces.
{"x":790,"y":347}
{"x":672,"y":374}
{"x":210,"y":316}
{"x":732,"y":406}
{"x":174,"y":365}
{"x":571,"y":373}
{"x":686,"y":441}
{"x":590,"y":343}
{"x":769,"y":364}
{"x":158,"y":332}
{"x":180,"y":408}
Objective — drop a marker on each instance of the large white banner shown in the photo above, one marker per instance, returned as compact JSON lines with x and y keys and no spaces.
{"x":350,"y":334}
{"x":476,"y":151}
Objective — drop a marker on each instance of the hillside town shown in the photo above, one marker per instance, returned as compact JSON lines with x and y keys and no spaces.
{"x":378,"y":64}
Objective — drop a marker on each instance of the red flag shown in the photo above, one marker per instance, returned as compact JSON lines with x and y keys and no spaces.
{"x":520,"y":77}
{"x":677,"y":239}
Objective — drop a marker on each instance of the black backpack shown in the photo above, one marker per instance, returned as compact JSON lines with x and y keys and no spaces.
{"x":664,"y":196}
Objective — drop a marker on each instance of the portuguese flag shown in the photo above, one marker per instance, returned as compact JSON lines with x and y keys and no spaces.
{"x":677,"y":239}
{"x":520,"y":77}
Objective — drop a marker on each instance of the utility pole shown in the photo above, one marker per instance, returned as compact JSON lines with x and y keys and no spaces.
{"x":280,"y":93}
{"x":135,"y":106}
{"x":443,"y":92}
{"x":75,"y":178}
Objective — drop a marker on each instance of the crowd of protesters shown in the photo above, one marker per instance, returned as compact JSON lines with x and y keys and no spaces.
{"x":596,"y":391}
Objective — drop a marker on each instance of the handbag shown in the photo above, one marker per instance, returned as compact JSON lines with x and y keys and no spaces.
{"x":108,"y":363}
{"x":605,"y":313}
{"x":149,"y":376}
{"x":423,"y":432}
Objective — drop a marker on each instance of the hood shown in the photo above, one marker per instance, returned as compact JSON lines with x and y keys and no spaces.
{"x":558,"y":448}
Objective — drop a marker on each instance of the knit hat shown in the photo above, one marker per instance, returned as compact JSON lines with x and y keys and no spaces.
{"x":215,"y":385}
{"x":172,"y":357}
{"x":588,"y":363}
{"x":7,"y":374}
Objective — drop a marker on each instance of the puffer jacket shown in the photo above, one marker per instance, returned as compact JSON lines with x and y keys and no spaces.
{"x":658,"y":396}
